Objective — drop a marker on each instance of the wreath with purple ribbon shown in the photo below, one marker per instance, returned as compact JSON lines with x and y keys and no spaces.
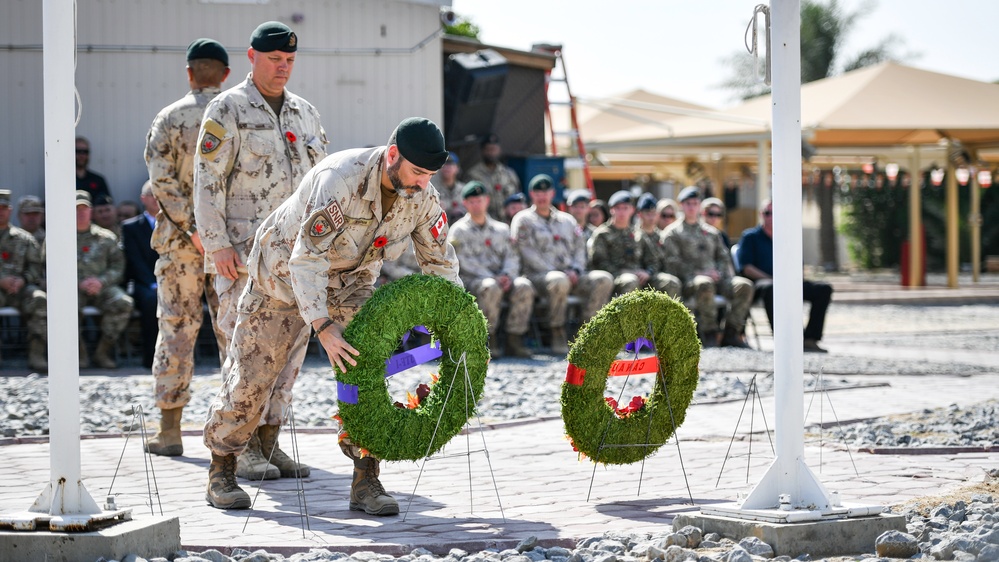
{"x":367,"y":411}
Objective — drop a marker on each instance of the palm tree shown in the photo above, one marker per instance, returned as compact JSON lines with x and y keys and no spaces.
{"x":824,"y":29}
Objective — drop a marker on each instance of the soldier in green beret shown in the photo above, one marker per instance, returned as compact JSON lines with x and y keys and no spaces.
{"x":257,"y":141}
{"x":100,"y":270}
{"x":181,"y":280}
{"x":22,"y":273}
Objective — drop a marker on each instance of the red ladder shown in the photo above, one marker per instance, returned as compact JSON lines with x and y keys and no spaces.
{"x":573,"y":132}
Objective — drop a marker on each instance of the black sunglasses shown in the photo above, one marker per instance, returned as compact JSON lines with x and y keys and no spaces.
{"x":714,"y":214}
{"x":82,"y":151}
{"x":767,"y":213}
{"x":667,"y":216}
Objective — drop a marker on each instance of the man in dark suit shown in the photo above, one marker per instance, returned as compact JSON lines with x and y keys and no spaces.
{"x":140,"y":264}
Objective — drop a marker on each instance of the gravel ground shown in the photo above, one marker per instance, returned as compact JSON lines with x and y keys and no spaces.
{"x":964,"y":529}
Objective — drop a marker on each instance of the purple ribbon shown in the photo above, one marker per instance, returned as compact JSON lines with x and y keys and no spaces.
{"x":637,"y":345}
{"x":346,"y":393}
{"x":417,"y":356}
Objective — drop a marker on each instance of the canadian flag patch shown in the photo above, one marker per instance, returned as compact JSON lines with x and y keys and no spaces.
{"x":439,"y":229}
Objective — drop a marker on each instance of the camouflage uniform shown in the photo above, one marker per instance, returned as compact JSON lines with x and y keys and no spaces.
{"x":550,"y":246}
{"x":180,"y":270}
{"x":501,"y":183}
{"x":99,"y":255}
{"x":694,"y":248}
{"x":322,"y":249}
{"x":654,"y":261}
{"x":21,"y":256}
{"x":399,"y":268}
{"x":618,"y":252}
{"x":485,"y":253}
{"x":249,"y":161}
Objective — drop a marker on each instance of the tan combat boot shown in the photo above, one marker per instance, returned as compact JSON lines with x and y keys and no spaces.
{"x":102,"y":355}
{"x":37,"y":358}
{"x":560,"y":343}
{"x":222,"y":491}
{"x":269,"y":448}
{"x":366,"y":493}
{"x":167,"y":441}
{"x":252,"y":465}
{"x":515,"y":346}
{"x":84,"y":358}
{"x":495,"y":349}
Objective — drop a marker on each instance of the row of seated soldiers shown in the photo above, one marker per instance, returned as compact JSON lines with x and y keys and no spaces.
{"x":103,"y":273}
{"x":546,"y":255}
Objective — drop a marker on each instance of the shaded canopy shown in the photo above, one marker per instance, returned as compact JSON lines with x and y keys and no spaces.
{"x":879,"y":106}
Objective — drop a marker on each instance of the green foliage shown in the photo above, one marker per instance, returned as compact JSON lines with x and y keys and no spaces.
{"x":452,"y":317}
{"x":463,"y":27}
{"x":589,"y":421}
{"x":824,"y":30}
{"x":876,"y":223}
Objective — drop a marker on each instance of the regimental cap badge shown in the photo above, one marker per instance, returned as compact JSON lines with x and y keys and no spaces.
{"x":293,"y":40}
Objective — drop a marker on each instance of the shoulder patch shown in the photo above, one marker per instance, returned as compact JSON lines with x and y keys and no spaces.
{"x":439,"y":228}
{"x":320,"y":226}
{"x":212,"y":134}
{"x":335,"y":214}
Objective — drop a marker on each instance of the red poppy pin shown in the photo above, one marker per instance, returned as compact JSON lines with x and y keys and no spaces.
{"x":489,"y":242}
{"x":5,"y":256}
{"x":498,"y":187}
{"x":86,"y":249}
{"x":557,"y":237}
{"x":290,"y":136}
{"x":380,"y":241}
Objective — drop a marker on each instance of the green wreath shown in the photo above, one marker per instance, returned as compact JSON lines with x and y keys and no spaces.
{"x":452,"y":317}
{"x":589,"y":420}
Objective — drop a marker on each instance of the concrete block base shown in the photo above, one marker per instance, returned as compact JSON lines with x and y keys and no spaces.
{"x":837,"y":537}
{"x":148,"y":537}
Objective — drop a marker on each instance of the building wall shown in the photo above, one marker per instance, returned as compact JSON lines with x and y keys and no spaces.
{"x":365,"y":64}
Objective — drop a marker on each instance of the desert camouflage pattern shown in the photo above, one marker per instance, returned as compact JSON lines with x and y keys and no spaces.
{"x":181,"y":280}
{"x":500,"y":184}
{"x":170,"y":152}
{"x":550,"y":246}
{"x":485,"y":253}
{"x":248,"y":161}
{"x":270,"y":336}
{"x":317,"y":256}
{"x":692,"y":249}
{"x":328,"y":241}
{"x":99,"y":255}
{"x":21,"y":256}
{"x":399,"y":268}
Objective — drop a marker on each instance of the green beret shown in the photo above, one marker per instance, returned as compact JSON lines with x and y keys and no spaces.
{"x":207,"y":49}
{"x":472,"y":189}
{"x":421,"y":142}
{"x":274,"y":36}
{"x":541,"y":182}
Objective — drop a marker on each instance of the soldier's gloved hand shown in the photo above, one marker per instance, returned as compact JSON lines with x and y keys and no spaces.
{"x":227,"y":263}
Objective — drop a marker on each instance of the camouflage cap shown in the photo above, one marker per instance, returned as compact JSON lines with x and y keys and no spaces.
{"x":30,"y":204}
{"x":273,"y":36}
{"x":518,"y":197}
{"x":205,"y":48}
{"x":5,"y":197}
{"x":83,"y":198}
{"x":577,"y":196}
